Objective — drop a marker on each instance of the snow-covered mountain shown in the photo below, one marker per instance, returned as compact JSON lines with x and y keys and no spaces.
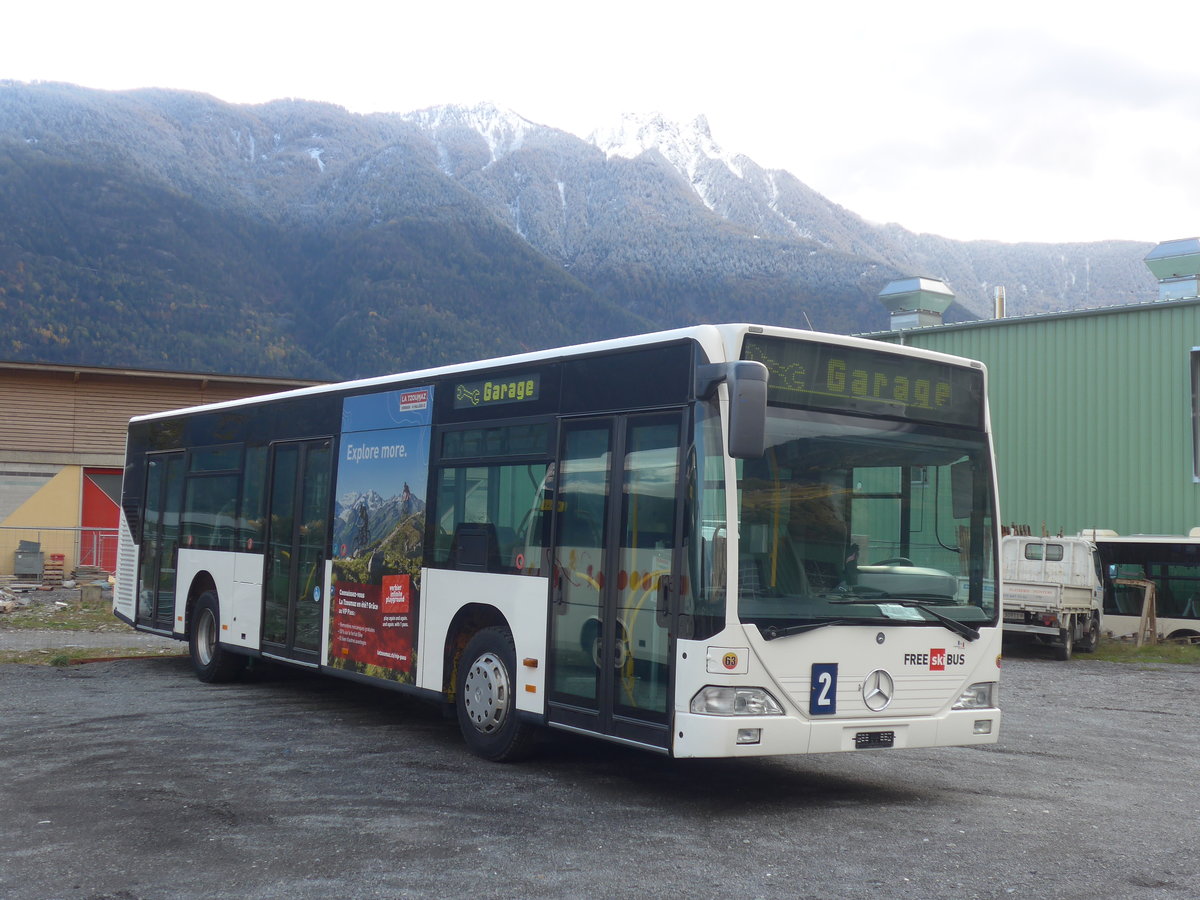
{"x":501,"y":129}
{"x":318,"y":242}
{"x":508,"y":170}
{"x":363,"y":519}
{"x":352,"y":500}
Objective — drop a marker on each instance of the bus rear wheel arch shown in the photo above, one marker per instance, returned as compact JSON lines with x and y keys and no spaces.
{"x":485,"y":699}
{"x":1185,"y":635}
{"x":211,"y":662}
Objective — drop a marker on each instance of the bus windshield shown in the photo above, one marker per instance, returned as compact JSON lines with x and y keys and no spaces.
{"x":850,"y":519}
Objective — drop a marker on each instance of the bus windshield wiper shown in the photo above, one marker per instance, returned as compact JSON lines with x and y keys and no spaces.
{"x":953,"y":624}
{"x":771,"y":632}
{"x":853,"y":594}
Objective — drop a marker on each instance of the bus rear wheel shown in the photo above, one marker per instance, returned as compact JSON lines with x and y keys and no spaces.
{"x":211,"y":662}
{"x":485,"y":699}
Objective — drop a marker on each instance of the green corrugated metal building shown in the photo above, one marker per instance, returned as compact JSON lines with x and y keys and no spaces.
{"x":1094,"y":411}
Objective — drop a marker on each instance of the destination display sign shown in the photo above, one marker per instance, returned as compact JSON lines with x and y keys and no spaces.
{"x":493,"y":392}
{"x":826,"y":376}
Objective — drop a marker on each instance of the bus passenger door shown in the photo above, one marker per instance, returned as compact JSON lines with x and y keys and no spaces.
{"x":614,"y":564}
{"x":160,"y":541}
{"x":297,"y":526}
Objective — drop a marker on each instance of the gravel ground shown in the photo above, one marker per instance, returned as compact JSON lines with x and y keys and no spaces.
{"x":36,"y":639}
{"x":48,"y":605}
{"x":130,"y":780}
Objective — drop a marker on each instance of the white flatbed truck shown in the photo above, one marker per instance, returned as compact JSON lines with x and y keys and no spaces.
{"x":1052,"y":592}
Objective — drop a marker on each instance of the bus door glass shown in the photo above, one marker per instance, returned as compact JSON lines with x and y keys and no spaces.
{"x":294,"y":591}
{"x":614,"y":561}
{"x":160,"y":540}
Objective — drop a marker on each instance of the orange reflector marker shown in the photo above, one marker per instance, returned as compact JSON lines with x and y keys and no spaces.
{"x":530,"y":663}
{"x":531,"y":688}
{"x":224,"y":627}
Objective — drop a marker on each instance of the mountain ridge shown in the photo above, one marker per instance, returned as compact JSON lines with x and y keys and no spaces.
{"x":169,"y":229}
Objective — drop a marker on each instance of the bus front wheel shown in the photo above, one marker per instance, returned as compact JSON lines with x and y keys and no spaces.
{"x":212,"y":662}
{"x":485,"y":699}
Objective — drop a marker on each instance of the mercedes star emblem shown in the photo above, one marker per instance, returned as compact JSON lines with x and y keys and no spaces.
{"x":878,"y":690}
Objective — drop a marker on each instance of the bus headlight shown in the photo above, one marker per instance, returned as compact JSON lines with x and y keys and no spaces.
{"x":715,"y":700}
{"x":977,"y":696}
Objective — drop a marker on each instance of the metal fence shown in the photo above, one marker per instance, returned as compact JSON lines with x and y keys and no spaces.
{"x":20,"y":549}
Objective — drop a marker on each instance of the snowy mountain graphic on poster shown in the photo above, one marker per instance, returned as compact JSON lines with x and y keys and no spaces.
{"x":383,"y":460}
{"x":364,"y":519}
{"x":383,"y":467}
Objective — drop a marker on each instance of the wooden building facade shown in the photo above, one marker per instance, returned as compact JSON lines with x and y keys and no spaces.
{"x":62,"y":448}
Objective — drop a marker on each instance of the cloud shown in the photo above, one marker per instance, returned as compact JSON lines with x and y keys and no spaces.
{"x":961,"y":119}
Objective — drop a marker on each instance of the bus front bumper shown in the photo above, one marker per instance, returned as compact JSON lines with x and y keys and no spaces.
{"x":699,"y":736}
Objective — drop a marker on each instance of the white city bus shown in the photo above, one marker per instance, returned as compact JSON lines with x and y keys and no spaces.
{"x":728,"y":540}
{"x":1170,"y":562}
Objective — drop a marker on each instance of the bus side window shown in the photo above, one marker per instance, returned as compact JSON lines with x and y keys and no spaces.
{"x":252,"y":518}
{"x":483,"y":513}
{"x":210,"y":512}
{"x":210,"y":499}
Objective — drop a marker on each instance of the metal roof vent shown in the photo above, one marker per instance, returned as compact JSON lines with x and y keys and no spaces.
{"x":1176,"y":265}
{"x":916,"y":302}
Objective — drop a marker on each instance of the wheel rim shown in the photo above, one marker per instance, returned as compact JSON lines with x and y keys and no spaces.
{"x":597,"y":655}
{"x":620,"y":652}
{"x":206,"y":636}
{"x":486,"y":693}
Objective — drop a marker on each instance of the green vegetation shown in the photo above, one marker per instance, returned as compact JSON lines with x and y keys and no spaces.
{"x":1126,"y":652}
{"x":72,"y":617}
{"x":170,"y":230}
{"x":75,"y":655}
{"x":128,"y":222}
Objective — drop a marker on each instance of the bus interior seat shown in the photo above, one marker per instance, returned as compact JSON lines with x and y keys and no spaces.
{"x":818,"y":536}
{"x":753,"y":579}
{"x":475,"y":547}
{"x":506,"y":540}
{"x":772,"y":575}
{"x":576,"y":527}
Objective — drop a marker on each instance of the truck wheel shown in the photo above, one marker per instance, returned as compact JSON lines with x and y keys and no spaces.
{"x":211,"y":662}
{"x":1062,"y":651}
{"x":486,"y":704}
{"x":1091,"y":640}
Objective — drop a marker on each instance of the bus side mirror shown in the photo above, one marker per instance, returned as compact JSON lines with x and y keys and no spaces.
{"x":747,"y":381}
{"x":747,"y":410}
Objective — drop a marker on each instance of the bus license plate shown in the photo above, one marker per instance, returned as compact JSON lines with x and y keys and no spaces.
{"x":867,"y":740}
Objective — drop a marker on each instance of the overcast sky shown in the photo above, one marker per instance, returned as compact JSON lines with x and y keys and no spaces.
{"x":1016,"y":121}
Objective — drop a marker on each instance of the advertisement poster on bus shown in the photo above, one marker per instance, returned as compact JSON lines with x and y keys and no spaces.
{"x":379,"y":526}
